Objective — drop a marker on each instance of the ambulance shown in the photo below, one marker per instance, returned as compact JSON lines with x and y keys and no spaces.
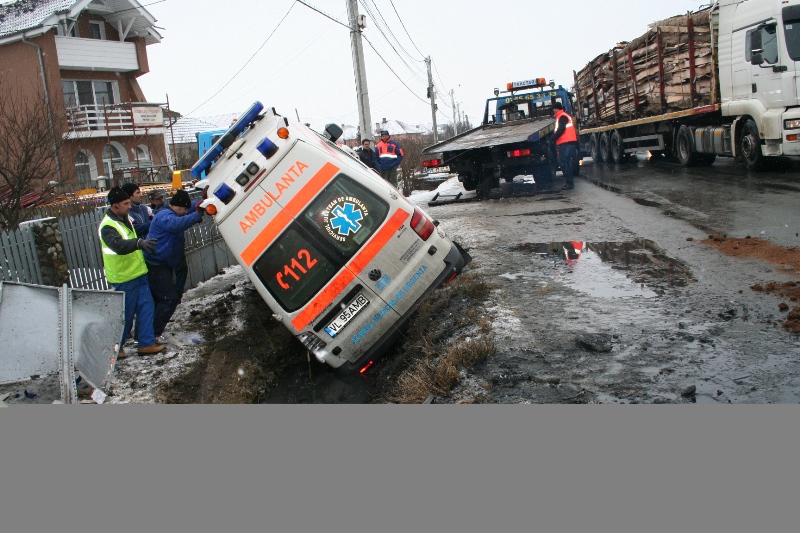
{"x":339,"y":255}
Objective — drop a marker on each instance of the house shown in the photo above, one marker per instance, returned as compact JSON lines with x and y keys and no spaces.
{"x":401,"y":131}
{"x":85,"y":57}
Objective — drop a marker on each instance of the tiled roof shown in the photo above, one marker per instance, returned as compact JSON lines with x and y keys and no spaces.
{"x":25,"y":14}
{"x":185,"y":128}
{"x":398,"y":127}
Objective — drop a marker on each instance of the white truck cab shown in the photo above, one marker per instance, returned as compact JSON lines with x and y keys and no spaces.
{"x":337,"y":253}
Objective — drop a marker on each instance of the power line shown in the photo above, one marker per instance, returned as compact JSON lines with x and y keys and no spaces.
{"x":246,"y":63}
{"x":392,"y":70}
{"x":322,"y":13}
{"x":404,"y":28}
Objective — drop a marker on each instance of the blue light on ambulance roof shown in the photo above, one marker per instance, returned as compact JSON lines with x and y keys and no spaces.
{"x":247,"y":118}
{"x":224,"y":193}
{"x":267,"y":147}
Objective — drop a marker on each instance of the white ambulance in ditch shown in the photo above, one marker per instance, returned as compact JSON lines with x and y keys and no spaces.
{"x":338,"y":254}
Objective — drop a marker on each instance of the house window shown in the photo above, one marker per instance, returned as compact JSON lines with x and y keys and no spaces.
{"x":111,"y":156}
{"x":88,"y":93}
{"x":97,"y":30}
{"x":82,"y":170}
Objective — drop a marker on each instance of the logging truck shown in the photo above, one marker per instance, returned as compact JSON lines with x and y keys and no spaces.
{"x":721,"y":81}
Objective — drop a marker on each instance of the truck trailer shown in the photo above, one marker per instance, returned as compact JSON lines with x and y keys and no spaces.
{"x":721,"y":81}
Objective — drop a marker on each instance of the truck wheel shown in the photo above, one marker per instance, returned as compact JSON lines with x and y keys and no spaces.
{"x":485,"y":186}
{"x":750,"y":146}
{"x":684,"y":148}
{"x":594,"y":148}
{"x":468,"y":181}
{"x":604,"y":147}
{"x":616,"y":148}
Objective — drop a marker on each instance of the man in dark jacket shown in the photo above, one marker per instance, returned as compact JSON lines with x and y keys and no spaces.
{"x":127,"y":272}
{"x":166,"y":263}
{"x":368,"y":156}
{"x":156,"y":202}
{"x":140,"y":213}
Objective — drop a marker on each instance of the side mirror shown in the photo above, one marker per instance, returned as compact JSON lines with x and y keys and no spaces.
{"x":756,"y":57}
{"x":333,"y":132}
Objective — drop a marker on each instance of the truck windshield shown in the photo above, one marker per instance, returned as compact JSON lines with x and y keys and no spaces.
{"x":791,"y":28}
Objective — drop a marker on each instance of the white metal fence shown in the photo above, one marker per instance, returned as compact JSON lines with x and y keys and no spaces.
{"x":18,"y":259}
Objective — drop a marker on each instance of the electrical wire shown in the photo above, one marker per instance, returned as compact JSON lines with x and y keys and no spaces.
{"x":404,"y":28}
{"x":309,"y":6}
{"x":246,"y":63}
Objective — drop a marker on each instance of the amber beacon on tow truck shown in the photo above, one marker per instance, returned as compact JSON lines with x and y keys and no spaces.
{"x":337,"y":253}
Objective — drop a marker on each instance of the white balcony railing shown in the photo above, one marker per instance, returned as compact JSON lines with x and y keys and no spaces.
{"x":102,"y":118}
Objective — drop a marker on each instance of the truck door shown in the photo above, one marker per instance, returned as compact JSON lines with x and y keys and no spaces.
{"x":767,"y":83}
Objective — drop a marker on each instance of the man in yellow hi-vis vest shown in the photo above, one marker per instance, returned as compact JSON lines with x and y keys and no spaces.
{"x":126,"y":271}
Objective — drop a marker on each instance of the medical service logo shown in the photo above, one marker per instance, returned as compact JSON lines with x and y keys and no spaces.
{"x":343,"y":217}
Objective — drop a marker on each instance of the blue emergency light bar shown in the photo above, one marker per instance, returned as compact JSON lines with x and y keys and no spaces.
{"x":244,"y":121}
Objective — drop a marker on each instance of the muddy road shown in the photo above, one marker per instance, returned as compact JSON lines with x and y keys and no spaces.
{"x":648,"y":313}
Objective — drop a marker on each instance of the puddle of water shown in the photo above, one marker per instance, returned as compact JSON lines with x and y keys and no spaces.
{"x":612,"y":269}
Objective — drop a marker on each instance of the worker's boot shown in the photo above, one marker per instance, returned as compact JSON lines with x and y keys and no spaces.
{"x":121,"y":354}
{"x":150,"y":350}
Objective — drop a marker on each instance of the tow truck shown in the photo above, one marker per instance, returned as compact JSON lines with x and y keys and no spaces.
{"x":515,"y":138}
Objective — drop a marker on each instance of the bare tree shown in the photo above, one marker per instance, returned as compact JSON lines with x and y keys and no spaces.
{"x":30,"y":139}
{"x":412,"y":162}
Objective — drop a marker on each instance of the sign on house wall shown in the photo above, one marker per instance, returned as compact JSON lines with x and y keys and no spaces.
{"x":148,"y":117}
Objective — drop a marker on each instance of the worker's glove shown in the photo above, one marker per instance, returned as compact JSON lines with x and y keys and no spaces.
{"x":148,"y":245}
{"x":205,"y":193}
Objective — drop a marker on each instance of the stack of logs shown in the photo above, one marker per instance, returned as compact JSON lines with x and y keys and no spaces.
{"x":662,"y":79}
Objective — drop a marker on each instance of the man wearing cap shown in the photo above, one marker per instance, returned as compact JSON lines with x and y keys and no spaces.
{"x":167,"y":262}
{"x":126,"y":271}
{"x":390,"y":155}
{"x":156,"y":202}
{"x":140,"y":213}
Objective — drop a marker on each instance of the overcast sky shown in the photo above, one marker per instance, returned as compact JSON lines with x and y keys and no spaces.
{"x":302,"y":63}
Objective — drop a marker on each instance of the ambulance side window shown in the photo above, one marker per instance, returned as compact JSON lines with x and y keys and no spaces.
{"x":294,"y":269}
{"x":345,"y":214}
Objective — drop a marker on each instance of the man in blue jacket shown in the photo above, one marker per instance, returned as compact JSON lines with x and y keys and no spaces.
{"x":166,"y":265}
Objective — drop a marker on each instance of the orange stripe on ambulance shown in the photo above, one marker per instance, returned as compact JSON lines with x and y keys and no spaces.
{"x":268,"y":199}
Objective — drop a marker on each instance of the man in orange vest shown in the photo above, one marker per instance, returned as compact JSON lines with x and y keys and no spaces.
{"x":567,"y":142}
{"x":390,"y":155}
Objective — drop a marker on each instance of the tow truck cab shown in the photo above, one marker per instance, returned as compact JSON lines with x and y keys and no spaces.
{"x":339,"y":255}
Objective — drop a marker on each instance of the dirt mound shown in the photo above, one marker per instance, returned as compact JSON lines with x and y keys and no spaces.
{"x":786,"y":258}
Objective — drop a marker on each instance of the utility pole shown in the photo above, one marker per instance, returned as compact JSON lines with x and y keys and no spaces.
{"x":432,"y":96}
{"x":455,"y":112}
{"x":359,"y":69}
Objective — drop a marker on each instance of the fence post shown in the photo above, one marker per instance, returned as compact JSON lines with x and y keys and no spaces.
{"x":50,"y":251}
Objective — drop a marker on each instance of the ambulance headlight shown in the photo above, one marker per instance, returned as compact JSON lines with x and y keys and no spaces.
{"x":224,"y":193}
{"x":267,"y":148}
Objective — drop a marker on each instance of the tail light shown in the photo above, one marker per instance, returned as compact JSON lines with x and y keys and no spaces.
{"x":431,"y":163}
{"x":519,"y":153}
{"x":421,"y":224}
